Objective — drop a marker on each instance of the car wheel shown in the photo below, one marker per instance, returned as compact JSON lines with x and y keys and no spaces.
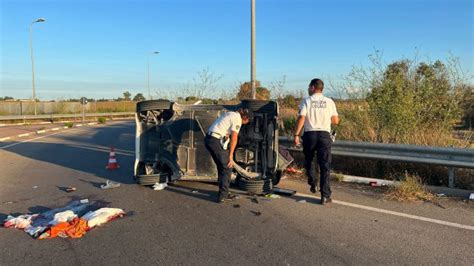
{"x":148,"y":180}
{"x":260,"y":106}
{"x":153,"y":105}
{"x":256,"y":186}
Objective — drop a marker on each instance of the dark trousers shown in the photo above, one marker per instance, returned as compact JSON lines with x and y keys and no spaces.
{"x":319,"y":143}
{"x":221,"y":158}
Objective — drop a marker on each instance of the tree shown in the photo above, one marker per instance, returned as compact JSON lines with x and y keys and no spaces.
{"x":6,"y":98}
{"x":191,"y":99}
{"x":409,"y":98}
{"x":127,"y":95}
{"x":205,"y":84}
{"x":139,"y":97}
{"x":289,"y":101}
{"x":245,"y":91}
{"x":277,"y":88}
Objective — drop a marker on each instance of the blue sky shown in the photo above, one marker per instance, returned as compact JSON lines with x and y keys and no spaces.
{"x":99,"y":48}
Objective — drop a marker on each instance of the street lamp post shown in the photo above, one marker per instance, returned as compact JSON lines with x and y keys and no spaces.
{"x":149,"y":93}
{"x":253,"y":70}
{"x":32,"y":59}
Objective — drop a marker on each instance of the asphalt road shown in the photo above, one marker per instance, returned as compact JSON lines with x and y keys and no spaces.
{"x":176,"y":226}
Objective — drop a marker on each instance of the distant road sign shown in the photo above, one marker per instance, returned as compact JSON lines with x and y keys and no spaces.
{"x":83,"y":100}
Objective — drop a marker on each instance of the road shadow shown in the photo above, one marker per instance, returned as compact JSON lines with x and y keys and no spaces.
{"x":299,"y":199}
{"x":94,"y":184}
{"x":88,"y":152}
{"x":202,"y":194}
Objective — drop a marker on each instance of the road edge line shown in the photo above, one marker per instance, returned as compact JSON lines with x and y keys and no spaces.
{"x":400,"y":214}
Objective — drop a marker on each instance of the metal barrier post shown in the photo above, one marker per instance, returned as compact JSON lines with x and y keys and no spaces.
{"x":451,"y":176}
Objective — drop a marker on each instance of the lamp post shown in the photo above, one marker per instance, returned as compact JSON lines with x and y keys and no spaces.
{"x":253,"y":70}
{"x":32,"y":59}
{"x":149,"y":93}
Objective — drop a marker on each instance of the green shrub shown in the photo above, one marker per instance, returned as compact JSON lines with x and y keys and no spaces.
{"x":101,"y":120}
{"x":69,"y":124}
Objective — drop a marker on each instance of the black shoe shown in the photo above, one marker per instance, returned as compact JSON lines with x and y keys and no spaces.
{"x":325,"y":200}
{"x":229,"y":198}
{"x":313,"y":189}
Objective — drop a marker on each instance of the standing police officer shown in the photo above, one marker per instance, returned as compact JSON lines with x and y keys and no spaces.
{"x":317,"y":113}
{"x":226,"y":127}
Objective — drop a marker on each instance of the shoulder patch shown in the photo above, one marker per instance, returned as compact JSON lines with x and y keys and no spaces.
{"x":237,"y":127}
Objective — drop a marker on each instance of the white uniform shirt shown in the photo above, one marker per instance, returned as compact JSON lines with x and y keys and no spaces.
{"x":318,"y":111}
{"x":226,"y":123}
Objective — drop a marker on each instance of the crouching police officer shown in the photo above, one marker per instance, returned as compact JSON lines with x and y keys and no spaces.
{"x":225,"y":128}
{"x":316,"y":114}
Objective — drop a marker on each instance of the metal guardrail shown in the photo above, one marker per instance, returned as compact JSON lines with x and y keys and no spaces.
{"x":56,"y":116}
{"x":450,"y":157}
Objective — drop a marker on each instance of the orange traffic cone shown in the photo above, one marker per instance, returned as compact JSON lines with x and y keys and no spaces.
{"x":112,"y":160}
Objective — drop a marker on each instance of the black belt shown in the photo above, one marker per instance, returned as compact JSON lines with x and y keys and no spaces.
{"x":214,"y":135}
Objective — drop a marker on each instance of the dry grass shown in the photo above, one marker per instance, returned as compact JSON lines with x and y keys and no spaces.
{"x":105,"y":107}
{"x":409,"y":190}
{"x":337,"y":177}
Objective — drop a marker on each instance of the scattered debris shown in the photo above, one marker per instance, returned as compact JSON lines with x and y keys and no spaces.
{"x":254,"y":200}
{"x":8,"y":202}
{"x":20,"y":222}
{"x":257,"y":213}
{"x":375,"y":220}
{"x":62,"y":217}
{"x":301,"y":201}
{"x":101,"y":216}
{"x":72,"y":220}
{"x":194,"y":191}
{"x":73,"y":229}
{"x":159,"y":186}
{"x":35,"y":187}
{"x":294,"y":170}
{"x":272,"y":196}
{"x":109,"y":184}
{"x":441,"y":195}
{"x":236,"y":205}
{"x":70,"y":189}
{"x":285,"y":192}
{"x":471,"y":196}
{"x":374,"y":184}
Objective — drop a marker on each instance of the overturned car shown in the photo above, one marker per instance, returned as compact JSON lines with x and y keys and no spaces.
{"x":170,"y":144}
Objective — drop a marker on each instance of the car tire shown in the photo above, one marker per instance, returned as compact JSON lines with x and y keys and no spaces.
{"x":148,"y":180}
{"x":260,"y":106}
{"x":256,"y":186}
{"x":153,"y":105}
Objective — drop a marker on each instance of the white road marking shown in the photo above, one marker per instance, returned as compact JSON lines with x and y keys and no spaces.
{"x":3,"y":139}
{"x":28,"y":140}
{"x":410,"y":216}
{"x":40,"y":131}
{"x":55,"y":129}
{"x":23,"y":135}
{"x":79,"y":125}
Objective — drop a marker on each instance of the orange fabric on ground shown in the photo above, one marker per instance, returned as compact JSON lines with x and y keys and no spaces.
{"x":74,"y":229}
